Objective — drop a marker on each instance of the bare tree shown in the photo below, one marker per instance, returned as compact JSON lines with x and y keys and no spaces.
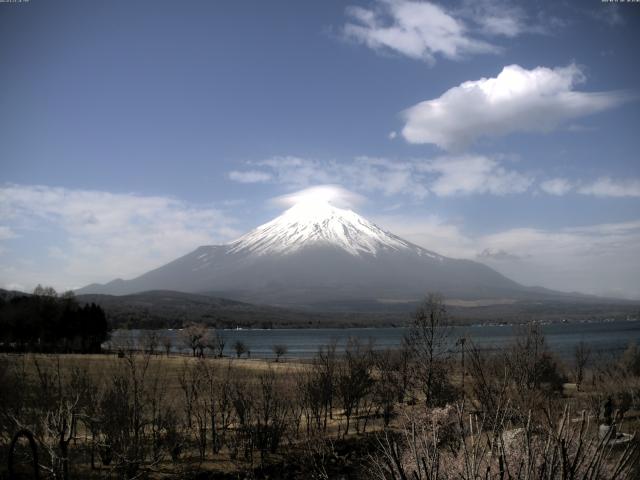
{"x":279,"y":350}
{"x":193,"y":337}
{"x":167,"y":343}
{"x":389,"y":386}
{"x":220,"y":404}
{"x":244,"y":400}
{"x":311,"y":396}
{"x":581,"y":356}
{"x":201,"y":405}
{"x":631,"y":359}
{"x":215,"y":342}
{"x":60,"y":408}
{"x":403,"y":358}
{"x":428,"y":338}
{"x":353,"y":380}
{"x":240,"y":348}
{"x":558,"y":449}
{"x":14,"y":396}
{"x":531,"y":369}
{"x":208,"y":400}
{"x":488,"y":377}
{"x":129,"y":411}
{"x":272,"y":413}
{"x":326,"y":366}
{"x":41,"y":291}
{"x":188,"y":381}
{"x":149,"y":341}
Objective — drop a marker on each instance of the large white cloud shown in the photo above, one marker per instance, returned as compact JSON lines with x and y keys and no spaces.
{"x":419,"y":30}
{"x":517,"y":100}
{"x":81,"y":236}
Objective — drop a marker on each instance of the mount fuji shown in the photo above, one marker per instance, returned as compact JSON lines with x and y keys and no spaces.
{"x":318,"y":254}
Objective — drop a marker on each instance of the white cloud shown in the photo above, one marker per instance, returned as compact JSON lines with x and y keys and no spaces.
{"x":445,"y":176}
{"x":296,"y":172}
{"x":599,"y":259}
{"x":502,"y":25}
{"x":601,"y":187}
{"x":96,"y":236}
{"x":334,"y":194}
{"x":250,"y":176}
{"x":556,"y":186}
{"x":474,"y":174}
{"x":607,"y":187}
{"x":517,"y":100}
{"x":612,"y":16}
{"x":431,"y":232}
{"x":14,"y":286}
{"x":7,"y":233}
{"x":498,"y":18}
{"x":577,"y":128}
{"x":602,"y":259}
{"x":419,"y":30}
{"x":608,"y":13}
{"x":366,"y":174}
{"x":389,"y":177}
{"x":495,"y":254}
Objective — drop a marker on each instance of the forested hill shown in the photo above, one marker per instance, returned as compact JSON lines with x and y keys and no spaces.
{"x":47,"y":322}
{"x":169,"y":309}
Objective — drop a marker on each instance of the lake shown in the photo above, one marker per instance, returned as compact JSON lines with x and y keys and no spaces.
{"x":604,"y":338}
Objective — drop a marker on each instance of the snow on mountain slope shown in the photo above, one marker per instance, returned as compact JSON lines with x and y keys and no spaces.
{"x":319,"y":223}
{"x":316,"y":252}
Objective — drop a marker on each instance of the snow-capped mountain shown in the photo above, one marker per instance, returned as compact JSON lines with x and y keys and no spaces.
{"x":320,"y":224}
{"x":317,"y":253}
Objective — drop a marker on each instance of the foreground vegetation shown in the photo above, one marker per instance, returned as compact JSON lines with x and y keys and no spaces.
{"x":413,"y":413}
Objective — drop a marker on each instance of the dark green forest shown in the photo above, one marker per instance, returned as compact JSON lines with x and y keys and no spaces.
{"x":48,"y":322}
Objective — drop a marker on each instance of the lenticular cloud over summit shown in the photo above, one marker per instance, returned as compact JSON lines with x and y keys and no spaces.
{"x":333,"y":194}
{"x":517,"y":100}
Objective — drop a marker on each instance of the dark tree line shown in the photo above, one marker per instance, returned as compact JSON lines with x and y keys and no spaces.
{"x":48,"y":322}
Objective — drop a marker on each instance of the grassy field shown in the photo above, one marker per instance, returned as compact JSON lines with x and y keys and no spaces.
{"x":160,"y":402}
{"x":168,"y":370}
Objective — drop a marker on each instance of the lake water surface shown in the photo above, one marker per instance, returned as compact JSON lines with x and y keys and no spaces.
{"x":604,"y":338}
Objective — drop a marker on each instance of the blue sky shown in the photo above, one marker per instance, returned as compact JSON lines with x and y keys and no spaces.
{"x":505,"y":132}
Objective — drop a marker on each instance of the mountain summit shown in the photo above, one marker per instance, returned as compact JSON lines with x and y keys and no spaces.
{"x":312,"y":224}
{"x":318,"y":254}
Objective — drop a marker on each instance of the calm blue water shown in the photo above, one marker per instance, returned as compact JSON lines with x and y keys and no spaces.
{"x":604,"y":338}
